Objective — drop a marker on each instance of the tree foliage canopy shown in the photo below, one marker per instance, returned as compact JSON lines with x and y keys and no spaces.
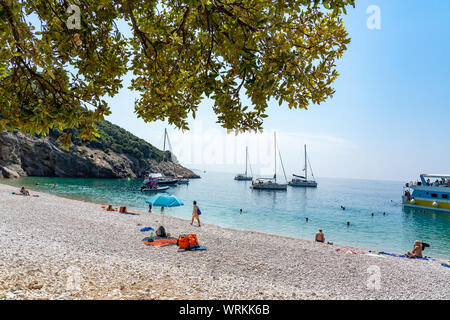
{"x":180,"y":52}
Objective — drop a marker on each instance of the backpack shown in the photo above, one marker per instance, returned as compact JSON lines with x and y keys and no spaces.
{"x":161,"y":232}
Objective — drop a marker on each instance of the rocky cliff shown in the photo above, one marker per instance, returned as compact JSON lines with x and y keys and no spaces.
{"x":25,"y":155}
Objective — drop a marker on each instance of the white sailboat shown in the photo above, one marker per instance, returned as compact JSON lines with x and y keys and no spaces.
{"x":271,"y":183}
{"x":158,"y":177}
{"x":302,"y":181}
{"x":244,"y":177}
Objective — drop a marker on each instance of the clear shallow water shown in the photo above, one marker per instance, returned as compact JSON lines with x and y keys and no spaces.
{"x":220,"y":198}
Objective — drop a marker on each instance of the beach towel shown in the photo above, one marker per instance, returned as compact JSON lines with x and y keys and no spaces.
{"x":132,"y":213}
{"x":393,"y":254}
{"x":446,"y":265}
{"x":402,"y":256}
{"x":160,"y":242}
{"x":199,"y":248}
{"x":374,"y":255}
{"x":349,"y":251}
{"x":21,"y":194}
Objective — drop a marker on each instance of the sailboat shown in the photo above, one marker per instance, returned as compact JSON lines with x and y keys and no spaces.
{"x":244,"y":177}
{"x":158,"y":177}
{"x":270,"y":183}
{"x":302,"y":181}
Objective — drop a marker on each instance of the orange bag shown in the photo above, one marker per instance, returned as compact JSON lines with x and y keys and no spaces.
{"x":187,"y":241}
{"x":183,"y":242}
{"x":193,"y":241}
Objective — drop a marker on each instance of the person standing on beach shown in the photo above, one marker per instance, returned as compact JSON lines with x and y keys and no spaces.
{"x":195,"y":214}
{"x":320,"y":237}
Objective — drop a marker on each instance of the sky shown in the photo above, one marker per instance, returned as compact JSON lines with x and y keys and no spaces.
{"x":386,"y":121}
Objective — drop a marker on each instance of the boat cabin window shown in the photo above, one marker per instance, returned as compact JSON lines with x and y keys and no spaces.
{"x":445,"y":196}
{"x":434,"y":195}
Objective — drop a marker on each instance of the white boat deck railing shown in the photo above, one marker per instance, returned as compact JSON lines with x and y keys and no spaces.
{"x":431,"y":184}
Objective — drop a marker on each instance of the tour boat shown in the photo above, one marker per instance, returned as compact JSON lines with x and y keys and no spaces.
{"x":428,"y":195}
{"x":302,"y":181}
{"x":244,"y":176}
{"x":270,"y":183}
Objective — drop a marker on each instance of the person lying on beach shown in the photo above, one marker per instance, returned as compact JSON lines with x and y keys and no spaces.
{"x":24,"y":191}
{"x":195,"y":214}
{"x":417,"y":250}
{"x":110,"y":208}
{"x":320,"y":237}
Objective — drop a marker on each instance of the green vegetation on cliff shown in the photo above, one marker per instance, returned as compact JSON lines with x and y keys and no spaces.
{"x":119,"y":140}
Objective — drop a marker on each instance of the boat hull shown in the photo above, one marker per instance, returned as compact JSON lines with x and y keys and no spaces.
{"x":270,"y":187}
{"x":159,"y":189}
{"x":237,"y":178}
{"x":426,"y":204}
{"x":168,"y":181}
{"x":303,"y":184}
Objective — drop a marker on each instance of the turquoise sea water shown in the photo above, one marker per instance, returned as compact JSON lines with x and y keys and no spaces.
{"x":220,"y":198}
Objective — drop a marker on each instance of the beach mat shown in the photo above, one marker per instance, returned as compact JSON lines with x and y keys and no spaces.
{"x":200,"y":248}
{"x":20,"y":194}
{"x":162,"y":242}
{"x":132,"y":213}
{"x":117,"y":210}
{"x":348,"y":251}
{"x":402,"y":256}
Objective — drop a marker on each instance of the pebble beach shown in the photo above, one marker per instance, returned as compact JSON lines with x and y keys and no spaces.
{"x":58,"y":248}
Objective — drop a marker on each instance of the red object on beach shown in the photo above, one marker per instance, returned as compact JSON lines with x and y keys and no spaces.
{"x":160,"y":242}
{"x":187,"y":241}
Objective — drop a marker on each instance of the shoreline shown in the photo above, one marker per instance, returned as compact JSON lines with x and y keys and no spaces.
{"x":45,"y":237}
{"x":445,"y":259}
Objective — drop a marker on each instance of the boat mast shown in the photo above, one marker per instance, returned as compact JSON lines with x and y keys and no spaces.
{"x":275,"y":144}
{"x":164,"y":145}
{"x":246,"y":155}
{"x":306,"y":166}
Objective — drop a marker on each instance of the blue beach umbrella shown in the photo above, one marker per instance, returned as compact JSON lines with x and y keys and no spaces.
{"x":164,"y":200}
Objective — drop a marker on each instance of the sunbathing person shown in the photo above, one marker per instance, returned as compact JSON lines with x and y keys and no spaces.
{"x":24,"y":191}
{"x":320,"y":237}
{"x":110,"y":208}
{"x":417,"y":250}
